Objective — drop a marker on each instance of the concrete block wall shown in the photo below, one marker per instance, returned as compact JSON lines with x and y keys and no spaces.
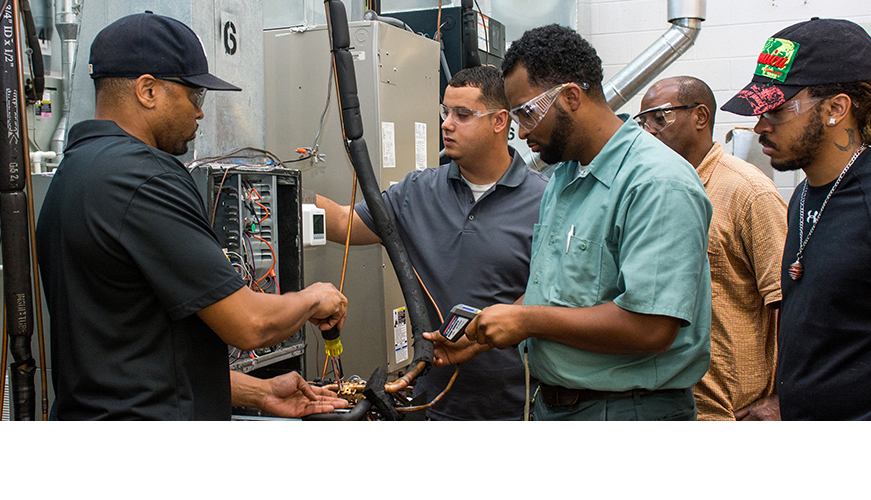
{"x":725,"y":53}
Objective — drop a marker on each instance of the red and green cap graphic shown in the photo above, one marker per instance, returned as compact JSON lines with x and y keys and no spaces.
{"x":776,"y":59}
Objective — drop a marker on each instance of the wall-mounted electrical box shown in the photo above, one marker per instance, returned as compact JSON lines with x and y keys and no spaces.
{"x":255,"y":212}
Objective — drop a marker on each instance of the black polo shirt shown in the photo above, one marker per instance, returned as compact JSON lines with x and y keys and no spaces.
{"x":127,"y":259}
{"x":474,"y":253}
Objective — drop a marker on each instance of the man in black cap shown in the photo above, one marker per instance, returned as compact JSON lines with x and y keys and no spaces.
{"x":143,"y":301}
{"x":812,"y":93}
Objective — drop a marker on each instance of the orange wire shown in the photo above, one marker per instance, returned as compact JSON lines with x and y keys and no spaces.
{"x":256,"y":202}
{"x":273,"y":258}
{"x":264,"y":209}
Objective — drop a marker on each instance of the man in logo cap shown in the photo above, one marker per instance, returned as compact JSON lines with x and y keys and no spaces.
{"x":812,"y":93}
{"x":142,"y":300}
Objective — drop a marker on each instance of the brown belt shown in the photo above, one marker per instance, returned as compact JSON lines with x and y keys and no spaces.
{"x":552,"y":395}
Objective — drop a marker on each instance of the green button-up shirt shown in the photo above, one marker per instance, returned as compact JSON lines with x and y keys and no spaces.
{"x":630,"y":228}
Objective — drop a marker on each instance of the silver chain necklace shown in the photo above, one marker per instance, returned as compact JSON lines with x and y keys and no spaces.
{"x":796,"y":269}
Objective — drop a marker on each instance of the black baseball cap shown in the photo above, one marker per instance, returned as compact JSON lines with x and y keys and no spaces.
{"x":815,"y":52}
{"x":160,"y":46}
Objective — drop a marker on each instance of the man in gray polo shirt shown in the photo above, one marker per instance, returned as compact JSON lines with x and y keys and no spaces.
{"x":467,"y":227}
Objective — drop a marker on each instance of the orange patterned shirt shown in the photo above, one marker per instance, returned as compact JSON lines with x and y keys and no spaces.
{"x":745,"y":248}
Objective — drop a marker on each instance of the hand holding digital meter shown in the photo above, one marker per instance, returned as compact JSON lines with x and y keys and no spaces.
{"x":455,"y":325}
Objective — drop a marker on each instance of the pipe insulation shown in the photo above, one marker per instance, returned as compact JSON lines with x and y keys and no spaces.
{"x":352,"y":123}
{"x":38,"y":65}
{"x":17,"y":290}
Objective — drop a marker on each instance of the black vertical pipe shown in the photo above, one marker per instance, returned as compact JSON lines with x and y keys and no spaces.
{"x":349,"y":104}
{"x":38,"y":76}
{"x":17,"y":287}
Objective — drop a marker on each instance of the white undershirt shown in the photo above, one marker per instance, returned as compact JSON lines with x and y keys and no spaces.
{"x":477,"y":189}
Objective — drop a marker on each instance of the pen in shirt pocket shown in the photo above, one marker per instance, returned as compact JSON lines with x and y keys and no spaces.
{"x":569,"y":238}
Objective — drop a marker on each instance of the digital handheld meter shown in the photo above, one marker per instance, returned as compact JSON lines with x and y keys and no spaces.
{"x":455,"y":326}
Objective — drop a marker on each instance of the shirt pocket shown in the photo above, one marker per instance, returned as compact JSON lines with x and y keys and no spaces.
{"x":577,"y":282}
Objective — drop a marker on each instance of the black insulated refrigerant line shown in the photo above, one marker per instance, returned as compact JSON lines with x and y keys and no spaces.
{"x":17,"y":290}
{"x":352,"y":125}
{"x":37,"y":86}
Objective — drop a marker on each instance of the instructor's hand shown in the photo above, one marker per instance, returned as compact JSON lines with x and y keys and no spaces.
{"x":289,"y":395}
{"x":330,"y":306}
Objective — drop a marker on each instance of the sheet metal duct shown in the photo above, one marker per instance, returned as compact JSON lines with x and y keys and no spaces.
{"x":67,"y":23}
{"x":686,"y":17}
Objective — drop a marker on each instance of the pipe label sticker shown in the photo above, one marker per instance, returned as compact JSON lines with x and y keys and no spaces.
{"x":400,"y":334}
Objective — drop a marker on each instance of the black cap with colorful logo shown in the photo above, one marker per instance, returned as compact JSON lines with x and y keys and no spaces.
{"x":815,"y":52}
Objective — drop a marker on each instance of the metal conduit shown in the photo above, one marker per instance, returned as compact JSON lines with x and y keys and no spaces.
{"x":686,"y":17}
{"x":67,"y":24}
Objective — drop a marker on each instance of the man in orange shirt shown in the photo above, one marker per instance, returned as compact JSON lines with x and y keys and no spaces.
{"x":746,"y":240}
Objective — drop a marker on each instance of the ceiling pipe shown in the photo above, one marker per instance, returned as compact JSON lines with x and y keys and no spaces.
{"x":686,"y":17}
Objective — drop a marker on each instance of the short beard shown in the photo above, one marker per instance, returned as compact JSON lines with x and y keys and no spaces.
{"x":805,"y":149}
{"x":181,"y":150}
{"x":555,"y":151}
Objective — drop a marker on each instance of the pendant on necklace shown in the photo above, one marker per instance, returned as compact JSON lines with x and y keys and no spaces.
{"x":795,"y":270}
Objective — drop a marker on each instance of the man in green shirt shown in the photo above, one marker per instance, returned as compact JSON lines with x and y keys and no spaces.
{"x":616,"y":318}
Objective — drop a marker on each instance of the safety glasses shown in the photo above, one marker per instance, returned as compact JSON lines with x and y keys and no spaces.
{"x":463,"y":115}
{"x":790,"y":110}
{"x":530,"y":113}
{"x":198,"y":97}
{"x":656,"y":119}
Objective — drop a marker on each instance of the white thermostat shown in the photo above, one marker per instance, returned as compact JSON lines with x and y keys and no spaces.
{"x":314,"y":225}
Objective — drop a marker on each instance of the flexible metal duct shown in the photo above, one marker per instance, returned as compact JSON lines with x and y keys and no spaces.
{"x":686,"y":17}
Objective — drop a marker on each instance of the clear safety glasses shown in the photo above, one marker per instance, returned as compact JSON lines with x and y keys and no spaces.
{"x":530,"y":113}
{"x":463,"y":115}
{"x":656,"y":119}
{"x":790,"y":110}
{"x":198,"y":97}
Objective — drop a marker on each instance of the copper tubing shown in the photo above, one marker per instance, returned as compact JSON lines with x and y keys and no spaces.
{"x":406,"y":379}
{"x":348,"y":236}
{"x":335,"y":387}
{"x":437,"y":398}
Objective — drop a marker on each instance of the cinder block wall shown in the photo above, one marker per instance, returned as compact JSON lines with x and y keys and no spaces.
{"x":725,"y":52}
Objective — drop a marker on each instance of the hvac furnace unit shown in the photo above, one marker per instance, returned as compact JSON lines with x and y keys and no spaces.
{"x":398,"y":86}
